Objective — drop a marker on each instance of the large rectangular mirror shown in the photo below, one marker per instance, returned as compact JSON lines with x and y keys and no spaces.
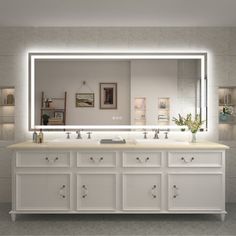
{"x":115,"y":91}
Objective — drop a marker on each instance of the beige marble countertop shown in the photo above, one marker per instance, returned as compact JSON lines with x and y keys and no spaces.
{"x":77,"y":146}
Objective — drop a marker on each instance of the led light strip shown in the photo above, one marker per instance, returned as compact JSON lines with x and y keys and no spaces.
{"x":87,"y":56}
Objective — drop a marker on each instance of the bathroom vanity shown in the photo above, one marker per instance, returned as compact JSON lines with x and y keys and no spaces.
{"x":78,"y":178}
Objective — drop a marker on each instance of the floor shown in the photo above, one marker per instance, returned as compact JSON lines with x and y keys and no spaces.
{"x":117,"y":224}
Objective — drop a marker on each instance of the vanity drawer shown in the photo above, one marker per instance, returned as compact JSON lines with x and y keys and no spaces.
{"x":96,"y":159}
{"x":194,"y":159}
{"x":43,"y":159}
{"x":142,"y":159}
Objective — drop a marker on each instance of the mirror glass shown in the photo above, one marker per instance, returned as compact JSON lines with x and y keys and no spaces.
{"x":123,"y":90}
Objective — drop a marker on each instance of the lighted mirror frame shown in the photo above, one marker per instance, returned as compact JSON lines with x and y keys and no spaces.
{"x":33,"y":56}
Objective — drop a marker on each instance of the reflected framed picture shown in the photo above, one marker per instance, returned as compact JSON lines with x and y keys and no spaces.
{"x":164,"y":103}
{"x":59,"y":115}
{"x":108,"y":95}
{"x":84,"y":99}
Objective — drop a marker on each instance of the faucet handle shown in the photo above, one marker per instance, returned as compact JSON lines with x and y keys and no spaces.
{"x":166,"y":135}
{"x":68,"y":135}
{"x":156,"y":136}
{"x":145,"y":134}
{"x":89,"y":134}
{"x":78,"y":134}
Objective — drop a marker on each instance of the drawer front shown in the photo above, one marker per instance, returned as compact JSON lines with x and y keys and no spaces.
{"x":96,"y":159}
{"x":142,"y":159}
{"x":43,"y":159}
{"x":194,"y":159}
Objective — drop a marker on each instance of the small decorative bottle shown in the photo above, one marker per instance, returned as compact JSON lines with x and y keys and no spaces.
{"x":40,"y":136}
{"x":35,"y":135}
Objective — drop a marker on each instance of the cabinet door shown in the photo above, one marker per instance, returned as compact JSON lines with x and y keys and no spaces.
{"x":96,"y":192}
{"x":141,"y":191}
{"x":42,"y":191}
{"x":195,"y":192}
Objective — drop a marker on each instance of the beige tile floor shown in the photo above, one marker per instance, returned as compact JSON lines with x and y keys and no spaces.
{"x":117,"y":224}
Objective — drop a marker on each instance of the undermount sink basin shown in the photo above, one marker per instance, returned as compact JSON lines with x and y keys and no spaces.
{"x":159,"y":141}
{"x":75,"y":141}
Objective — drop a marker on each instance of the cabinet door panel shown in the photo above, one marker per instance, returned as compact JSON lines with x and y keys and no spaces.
{"x":42,"y":191}
{"x":195,"y":191}
{"x":141,"y":191}
{"x":96,"y":192}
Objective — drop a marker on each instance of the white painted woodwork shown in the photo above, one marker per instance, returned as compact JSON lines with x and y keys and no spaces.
{"x":195,"y":191}
{"x":194,"y":159}
{"x":96,"y":159}
{"x":119,"y":180}
{"x":43,"y":159}
{"x":96,"y":192}
{"x":142,"y":191}
{"x":42,"y":191}
{"x":142,"y":159}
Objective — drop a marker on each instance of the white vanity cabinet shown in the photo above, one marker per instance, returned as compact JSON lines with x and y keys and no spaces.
{"x":125,"y":178}
{"x":196,"y":181}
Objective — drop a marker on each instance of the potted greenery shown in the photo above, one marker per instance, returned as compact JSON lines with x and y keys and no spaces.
{"x":193,"y":123}
{"x":45,"y":118}
{"x":226,"y":113}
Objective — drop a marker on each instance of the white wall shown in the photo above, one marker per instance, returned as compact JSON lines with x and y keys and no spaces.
{"x":153,"y":79}
{"x":175,"y":79}
{"x":188,"y":87}
{"x":219,"y":42}
{"x":55,"y":77}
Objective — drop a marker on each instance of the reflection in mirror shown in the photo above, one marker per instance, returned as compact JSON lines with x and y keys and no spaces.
{"x":120,"y":91}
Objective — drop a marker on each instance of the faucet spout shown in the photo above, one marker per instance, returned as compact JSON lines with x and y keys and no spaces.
{"x":89,"y":134}
{"x":78,"y":132}
{"x":156,"y":135}
{"x":145,"y":134}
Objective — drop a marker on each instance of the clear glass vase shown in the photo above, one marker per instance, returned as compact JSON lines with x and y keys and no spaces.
{"x":194,"y":138}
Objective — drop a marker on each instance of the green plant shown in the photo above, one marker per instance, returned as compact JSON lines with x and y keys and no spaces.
{"x":45,"y":118}
{"x":227,"y":110}
{"x":193,"y":123}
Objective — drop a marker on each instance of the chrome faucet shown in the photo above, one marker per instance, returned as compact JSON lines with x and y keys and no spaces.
{"x":156,"y":135}
{"x":78,"y":132}
{"x":89,"y":134}
{"x":166,"y":135}
{"x":68,"y":135}
{"x":145,"y":134}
